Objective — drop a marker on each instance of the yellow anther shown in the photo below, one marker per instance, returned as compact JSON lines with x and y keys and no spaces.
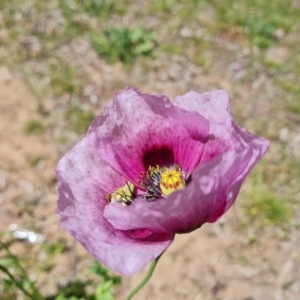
{"x":124,"y":194}
{"x":152,"y":170}
{"x":171,"y":180}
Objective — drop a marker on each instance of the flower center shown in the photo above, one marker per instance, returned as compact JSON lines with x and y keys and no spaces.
{"x":124,"y":194}
{"x":171,"y":180}
{"x":162,"y":181}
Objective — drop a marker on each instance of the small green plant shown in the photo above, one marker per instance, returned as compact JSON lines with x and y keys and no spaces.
{"x":261,"y":32}
{"x":53,"y":248}
{"x":75,"y":290}
{"x":272,"y":65}
{"x":290,"y":86}
{"x":103,"y":272}
{"x":16,"y":279}
{"x":34,"y":127}
{"x":258,"y":20}
{"x":265,"y":207}
{"x":103,"y":8}
{"x":104,"y":289}
{"x":164,"y":6}
{"x":124,"y":44}
{"x":293,"y":88}
{"x":78,"y":119}
{"x":294,"y":106}
{"x":63,"y":79}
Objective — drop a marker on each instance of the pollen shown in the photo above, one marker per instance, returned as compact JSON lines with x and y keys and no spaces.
{"x":124,"y":194}
{"x":160,"y":182}
{"x":171,"y":180}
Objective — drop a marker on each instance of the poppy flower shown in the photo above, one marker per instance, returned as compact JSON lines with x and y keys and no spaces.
{"x":148,"y":169}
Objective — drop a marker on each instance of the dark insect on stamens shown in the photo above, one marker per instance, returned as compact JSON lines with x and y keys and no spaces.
{"x":161,"y":181}
{"x":125,"y":195}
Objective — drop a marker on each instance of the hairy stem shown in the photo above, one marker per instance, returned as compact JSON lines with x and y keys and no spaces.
{"x":17,"y":283}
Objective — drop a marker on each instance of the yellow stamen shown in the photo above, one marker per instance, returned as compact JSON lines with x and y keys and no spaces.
{"x":171,"y":180}
{"x":124,"y":194}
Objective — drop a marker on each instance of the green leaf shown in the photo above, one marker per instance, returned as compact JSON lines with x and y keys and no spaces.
{"x":103,"y":291}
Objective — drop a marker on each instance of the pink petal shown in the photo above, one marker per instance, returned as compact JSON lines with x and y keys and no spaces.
{"x":214,"y":187}
{"x":224,"y":133}
{"x":137,"y":130}
{"x":84,"y":181}
{"x":214,"y":106}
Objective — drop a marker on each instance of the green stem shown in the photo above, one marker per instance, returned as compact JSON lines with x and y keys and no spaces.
{"x":36,"y":293}
{"x":17,"y":283}
{"x":146,"y":279}
{"x":10,"y":255}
